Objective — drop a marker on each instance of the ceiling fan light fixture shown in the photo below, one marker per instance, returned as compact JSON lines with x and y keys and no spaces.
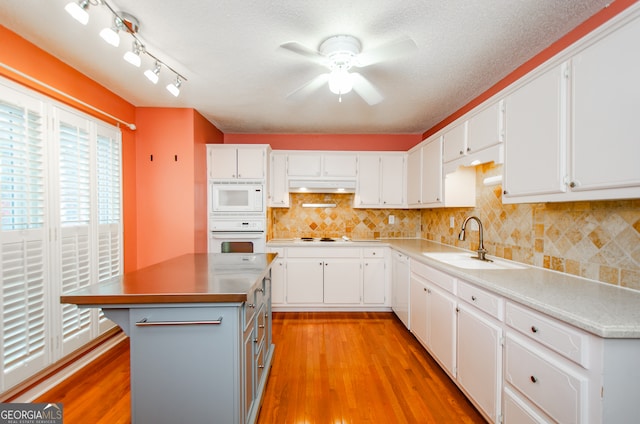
{"x":78,"y":10}
{"x":340,"y":81}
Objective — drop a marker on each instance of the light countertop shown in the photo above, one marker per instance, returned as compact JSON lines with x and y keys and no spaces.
{"x":599,"y":308}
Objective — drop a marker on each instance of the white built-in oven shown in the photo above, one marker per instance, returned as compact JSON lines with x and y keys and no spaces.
{"x":236,"y":197}
{"x":235,"y":234}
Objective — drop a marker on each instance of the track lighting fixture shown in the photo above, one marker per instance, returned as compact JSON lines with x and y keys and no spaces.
{"x":153,"y":74}
{"x":127,"y":24}
{"x":175,"y":88}
{"x":110,"y":35}
{"x":133,"y":55}
{"x":78,"y":10}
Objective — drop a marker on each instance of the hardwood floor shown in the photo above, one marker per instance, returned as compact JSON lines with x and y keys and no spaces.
{"x":328,"y":368}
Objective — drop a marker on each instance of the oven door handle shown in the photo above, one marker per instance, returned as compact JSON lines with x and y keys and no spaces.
{"x":236,"y":234}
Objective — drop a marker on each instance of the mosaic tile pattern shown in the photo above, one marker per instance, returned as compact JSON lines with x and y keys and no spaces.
{"x":297,"y":221}
{"x":598,"y":240}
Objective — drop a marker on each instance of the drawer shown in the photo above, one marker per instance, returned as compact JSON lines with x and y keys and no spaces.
{"x":260,"y":358}
{"x":481,"y":299}
{"x":559,"y":337}
{"x":249,"y":310}
{"x":373,"y":252}
{"x":323,"y":252}
{"x":543,"y":379}
{"x":262,"y":325}
{"x":259,"y":294}
{"x":515,"y":410}
{"x":442,"y":280}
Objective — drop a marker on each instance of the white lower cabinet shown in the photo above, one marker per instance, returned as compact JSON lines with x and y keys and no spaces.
{"x":329,"y":278}
{"x":480,"y":359}
{"x":400,"y":286}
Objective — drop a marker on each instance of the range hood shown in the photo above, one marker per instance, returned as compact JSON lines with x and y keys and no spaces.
{"x":321,"y":186}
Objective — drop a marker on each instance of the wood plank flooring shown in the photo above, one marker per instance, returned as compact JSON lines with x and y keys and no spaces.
{"x":328,"y":368}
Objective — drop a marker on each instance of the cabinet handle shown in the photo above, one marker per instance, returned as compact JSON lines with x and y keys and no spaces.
{"x":251,"y":305}
{"x":461,"y":152}
{"x":255,"y":340}
{"x":573,"y":184}
{"x":473,"y":298}
{"x":260,"y":290}
{"x":144,"y":323}
{"x":534,"y":329}
{"x":424,"y":288}
{"x":468,"y":149}
{"x":260,"y":366}
{"x":533,"y":379}
{"x":261,"y":326}
{"x":457,"y":309}
{"x":429,"y":291}
{"x":505,"y":192}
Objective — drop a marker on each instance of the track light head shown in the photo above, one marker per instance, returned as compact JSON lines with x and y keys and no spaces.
{"x":175,"y":88}
{"x":133,"y":55}
{"x":78,"y":10}
{"x":153,"y":74}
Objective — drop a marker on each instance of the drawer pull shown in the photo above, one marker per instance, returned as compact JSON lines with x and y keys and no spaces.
{"x":534,"y":329}
{"x":251,"y":305}
{"x":145,"y":323}
{"x":260,"y":290}
{"x":261,"y":326}
{"x":260,"y":366}
{"x":473,"y":298}
{"x":533,"y":379}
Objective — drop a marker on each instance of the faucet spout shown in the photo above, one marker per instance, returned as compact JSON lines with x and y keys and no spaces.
{"x":482,"y":252}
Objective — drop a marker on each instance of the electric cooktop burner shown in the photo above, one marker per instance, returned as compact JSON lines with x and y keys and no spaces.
{"x":306,"y":238}
{"x":317,"y":239}
{"x":326,"y":239}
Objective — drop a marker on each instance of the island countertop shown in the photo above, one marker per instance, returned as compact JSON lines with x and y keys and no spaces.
{"x":190,"y":278}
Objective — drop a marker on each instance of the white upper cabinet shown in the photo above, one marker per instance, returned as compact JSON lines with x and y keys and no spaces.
{"x":278,"y":191}
{"x":571,"y":132}
{"x":380,"y":181}
{"x":322,"y":164}
{"x":233,"y":162}
{"x":455,"y":142}
{"x":605,"y":144}
{"x":485,"y":129}
{"x":536,"y":137}
{"x":429,"y":187}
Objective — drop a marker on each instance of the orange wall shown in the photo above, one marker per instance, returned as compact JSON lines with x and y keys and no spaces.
{"x":26,"y":58}
{"x":378,"y":142}
{"x":203,"y":133}
{"x":571,"y":37}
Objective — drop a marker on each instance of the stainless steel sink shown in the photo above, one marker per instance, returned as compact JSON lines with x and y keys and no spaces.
{"x":467,"y":261}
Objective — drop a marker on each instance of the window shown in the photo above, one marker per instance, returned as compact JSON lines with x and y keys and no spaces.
{"x":60,"y":228}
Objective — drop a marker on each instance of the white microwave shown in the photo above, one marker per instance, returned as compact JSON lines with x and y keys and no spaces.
{"x":237,"y":197}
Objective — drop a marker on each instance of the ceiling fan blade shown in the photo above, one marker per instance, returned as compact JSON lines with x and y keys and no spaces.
{"x":295,"y":47}
{"x":387,"y":51}
{"x":365,"y":89}
{"x":309,"y":87}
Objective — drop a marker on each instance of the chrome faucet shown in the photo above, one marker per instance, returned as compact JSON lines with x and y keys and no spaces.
{"x":482,"y":252}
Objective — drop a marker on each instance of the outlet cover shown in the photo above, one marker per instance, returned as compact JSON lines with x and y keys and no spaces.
{"x":392,"y":219}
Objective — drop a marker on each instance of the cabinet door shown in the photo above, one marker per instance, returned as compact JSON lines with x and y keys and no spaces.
{"x":304,"y":281}
{"x":339,"y":165}
{"x":485,"y":128}
{"x":251,"y":163}
{"x":455,"y":142}
{"x":223,"y":163}
{"x":535,"y":141}
{"x":342,"y":281}
{"x":278,"y":191}
{"x":400,"y":287}
{"x":479,"y":369}
{"x":374,"y":282}
{"x":368,"y":180}
{"x":305,"y":165}
{"x":392,"y":182}
{"x":277,"y":281}
{"x":441,"y":327}
{"x":418,"y":309}
{"x":414,"y":177}
{"x":606,"y":99}
{"x":432,"y":172}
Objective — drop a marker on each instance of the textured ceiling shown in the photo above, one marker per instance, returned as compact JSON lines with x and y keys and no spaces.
{"x":239,"y":78}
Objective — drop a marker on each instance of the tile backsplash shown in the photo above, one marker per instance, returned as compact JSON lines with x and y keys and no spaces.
{"x":341,"y":220}
{"x":598,"y":240}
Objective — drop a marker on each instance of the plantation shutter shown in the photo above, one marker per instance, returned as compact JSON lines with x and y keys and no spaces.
{"x":74,"y":188}
{"x":109,"y":209}
{"x":23,"y":248}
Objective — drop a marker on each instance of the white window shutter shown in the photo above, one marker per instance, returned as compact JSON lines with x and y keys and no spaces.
{"x":74,"y":189}
{"x":23,"y":250}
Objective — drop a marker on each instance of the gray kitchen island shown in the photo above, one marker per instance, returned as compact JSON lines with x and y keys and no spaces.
{"x":200,"y":335}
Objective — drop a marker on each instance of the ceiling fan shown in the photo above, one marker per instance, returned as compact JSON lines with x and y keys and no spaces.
{"x":341,"y":53}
